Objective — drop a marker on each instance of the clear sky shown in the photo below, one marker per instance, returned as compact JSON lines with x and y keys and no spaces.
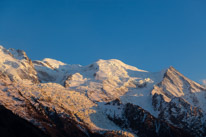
{"x":148,"y":34}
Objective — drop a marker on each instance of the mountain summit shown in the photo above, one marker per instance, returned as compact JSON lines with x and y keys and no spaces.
{"x":106,"y":98}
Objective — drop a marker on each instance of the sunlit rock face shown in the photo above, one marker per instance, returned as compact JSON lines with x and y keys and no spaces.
{"x":17,"y":66}
{"x":105,"y":98}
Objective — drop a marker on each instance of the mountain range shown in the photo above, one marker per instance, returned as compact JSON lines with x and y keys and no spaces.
{"x":108,"y":98}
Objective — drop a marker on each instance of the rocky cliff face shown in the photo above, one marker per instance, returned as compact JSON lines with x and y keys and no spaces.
{"x":17,"y":66}
{"x":179,"y":101}
{"x":106,"y":98}
{"x":142,"y":123}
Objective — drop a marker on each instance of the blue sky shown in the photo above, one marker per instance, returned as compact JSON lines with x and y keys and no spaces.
{"x":148,"y":34}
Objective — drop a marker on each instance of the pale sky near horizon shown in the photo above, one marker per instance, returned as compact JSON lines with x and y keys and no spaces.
{"x":151,"y":35}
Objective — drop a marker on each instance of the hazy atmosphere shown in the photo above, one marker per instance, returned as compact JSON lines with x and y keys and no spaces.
{"x":150,"y":35}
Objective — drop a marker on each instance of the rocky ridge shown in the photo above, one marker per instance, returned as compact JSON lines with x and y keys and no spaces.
{"x":105,"y":98}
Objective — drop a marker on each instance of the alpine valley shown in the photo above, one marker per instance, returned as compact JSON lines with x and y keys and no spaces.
{"x":108,"y":98}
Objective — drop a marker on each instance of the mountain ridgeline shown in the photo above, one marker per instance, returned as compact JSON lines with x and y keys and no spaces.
{"x":108,"y":98}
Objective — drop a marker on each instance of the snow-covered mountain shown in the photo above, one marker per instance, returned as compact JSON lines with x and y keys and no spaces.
{"x":105,"y":98}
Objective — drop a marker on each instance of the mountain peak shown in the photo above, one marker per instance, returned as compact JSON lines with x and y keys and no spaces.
{"x":18,"y":54}
{"x":64,"y":93}
{"x":53,"y":63}
{"x":171,"y":68}
{"x":115,"y":64}
{"x":17,"y":65}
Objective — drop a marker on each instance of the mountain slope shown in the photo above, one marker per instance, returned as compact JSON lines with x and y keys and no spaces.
{"x":17,"y":66}
{"x":105,"y":98}
{"x":12,"y":125}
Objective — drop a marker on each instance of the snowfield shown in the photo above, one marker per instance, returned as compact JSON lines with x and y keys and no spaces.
{"x":97,"y":96}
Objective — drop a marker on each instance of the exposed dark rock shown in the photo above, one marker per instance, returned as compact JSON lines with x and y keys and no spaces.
{"x":181,"y":114}
{"x":12,"y":125}
{"x":66,"y":82}
{"x":144,"y":124}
